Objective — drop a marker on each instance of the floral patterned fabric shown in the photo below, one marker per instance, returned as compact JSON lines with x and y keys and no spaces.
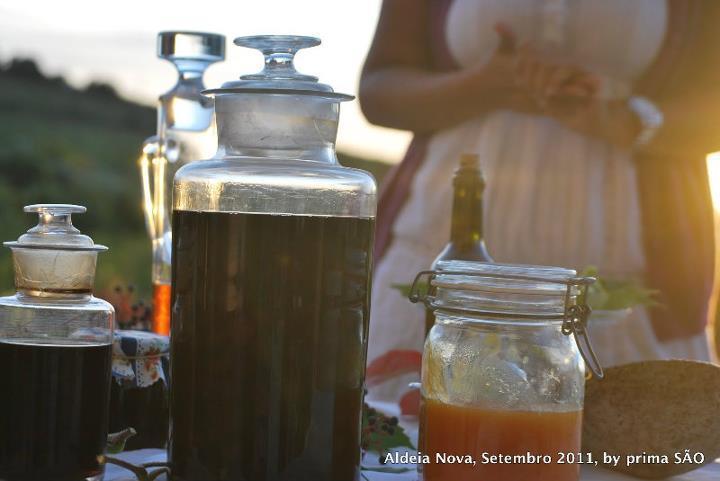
{"x":140,"y":359}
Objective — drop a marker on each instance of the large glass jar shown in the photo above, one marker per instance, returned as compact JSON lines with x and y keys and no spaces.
{"x":272,"y":251}
{"x":501,"y":374}
{"x":55,"y":354}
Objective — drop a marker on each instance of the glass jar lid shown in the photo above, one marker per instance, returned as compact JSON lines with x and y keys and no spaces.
{"x":279,"y":75}
{"x":526,"y":291}
{"x":140,"y":359}
{"x":54,"y":258}
{"x":511,"y":293}
{"x":55,"y":230}
{"x":201,"y":46}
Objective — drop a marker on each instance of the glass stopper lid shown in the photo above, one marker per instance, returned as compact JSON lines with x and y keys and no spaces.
{"x":55,"y":230}
{"x":202,"y":46}
{"x":279,"y":75}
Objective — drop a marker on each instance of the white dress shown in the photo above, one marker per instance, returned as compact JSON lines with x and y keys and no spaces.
{"x":554,"y":196}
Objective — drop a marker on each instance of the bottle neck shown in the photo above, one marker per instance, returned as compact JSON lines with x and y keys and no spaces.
{"x":183,"y":108}
{"x":191,"y":70}
{"x":467,"y":212}
{"x":189,"y":80}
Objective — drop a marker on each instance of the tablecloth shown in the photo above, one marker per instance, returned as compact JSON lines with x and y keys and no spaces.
{"x":706,"y":473}
{"x":710,"y":472}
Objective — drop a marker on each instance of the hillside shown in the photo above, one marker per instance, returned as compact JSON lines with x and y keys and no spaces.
{"x":60,"y":144}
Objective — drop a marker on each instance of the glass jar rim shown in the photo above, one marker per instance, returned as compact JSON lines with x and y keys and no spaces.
{"x":519,"y":291}
{"x":317,"y":94}
{"x":510,"y":292}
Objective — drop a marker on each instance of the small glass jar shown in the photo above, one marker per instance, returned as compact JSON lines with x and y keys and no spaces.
{"x":139,"y":391}
{"x":501,"y":374}
{"x":55,"y":354}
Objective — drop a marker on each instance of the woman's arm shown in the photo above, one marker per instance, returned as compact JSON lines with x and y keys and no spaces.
{"x":399,"y":90}
{"x":610,"y":120}
{"x":690,"y":103}
{"x":691,"y":124}
{"x":690,"y":100}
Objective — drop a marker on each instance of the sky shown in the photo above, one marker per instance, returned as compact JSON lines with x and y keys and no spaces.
{"x":114,"y":42}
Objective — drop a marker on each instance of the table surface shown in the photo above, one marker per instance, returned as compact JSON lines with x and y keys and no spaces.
{"x":114,"y":473}
{"x":710,"y":472}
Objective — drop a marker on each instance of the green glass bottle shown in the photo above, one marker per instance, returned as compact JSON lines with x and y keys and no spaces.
{"x":466,"y":229}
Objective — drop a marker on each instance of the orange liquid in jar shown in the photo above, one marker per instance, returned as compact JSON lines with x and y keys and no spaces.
{"x":161,"y":309}
{"x":461,"y":431}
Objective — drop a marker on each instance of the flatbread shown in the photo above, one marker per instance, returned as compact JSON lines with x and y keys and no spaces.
{"x":654,"y":407}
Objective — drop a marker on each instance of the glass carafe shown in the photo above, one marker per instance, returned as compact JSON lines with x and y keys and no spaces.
{"x":272,"y":252}
{"x":185,"y":132}
{"x":55,"y":353}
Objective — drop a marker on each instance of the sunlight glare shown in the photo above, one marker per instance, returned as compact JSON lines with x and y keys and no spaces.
{"x":713,"y":166}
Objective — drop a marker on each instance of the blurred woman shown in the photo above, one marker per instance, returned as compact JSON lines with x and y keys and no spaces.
{"x":591,"y":119}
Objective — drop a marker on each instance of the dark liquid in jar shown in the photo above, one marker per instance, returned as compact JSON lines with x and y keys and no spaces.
{"x":143,"y":408}
{"x":53,"y":410}
{"x":269,"y":337}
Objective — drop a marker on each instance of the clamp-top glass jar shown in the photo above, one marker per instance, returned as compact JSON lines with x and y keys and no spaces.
{"x":55,"y":355}
{"x":272,"y":243}
{"x":501,"y":374}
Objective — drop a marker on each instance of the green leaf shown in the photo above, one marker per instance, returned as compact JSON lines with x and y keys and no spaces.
{"x":386,"y":469}
{"x":381,"y":433}
{"x":613,"y":294}
{"x":405,"y":289}
{"x":116,"y":441}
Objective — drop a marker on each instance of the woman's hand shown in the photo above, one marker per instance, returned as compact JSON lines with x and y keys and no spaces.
{"x":570,"y":95}
{"x":608,"y":120}
{"x":398,"y":88}
{"x":543,"y":79}
{"x":523,"y":80}
{"x":496,"y":81}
